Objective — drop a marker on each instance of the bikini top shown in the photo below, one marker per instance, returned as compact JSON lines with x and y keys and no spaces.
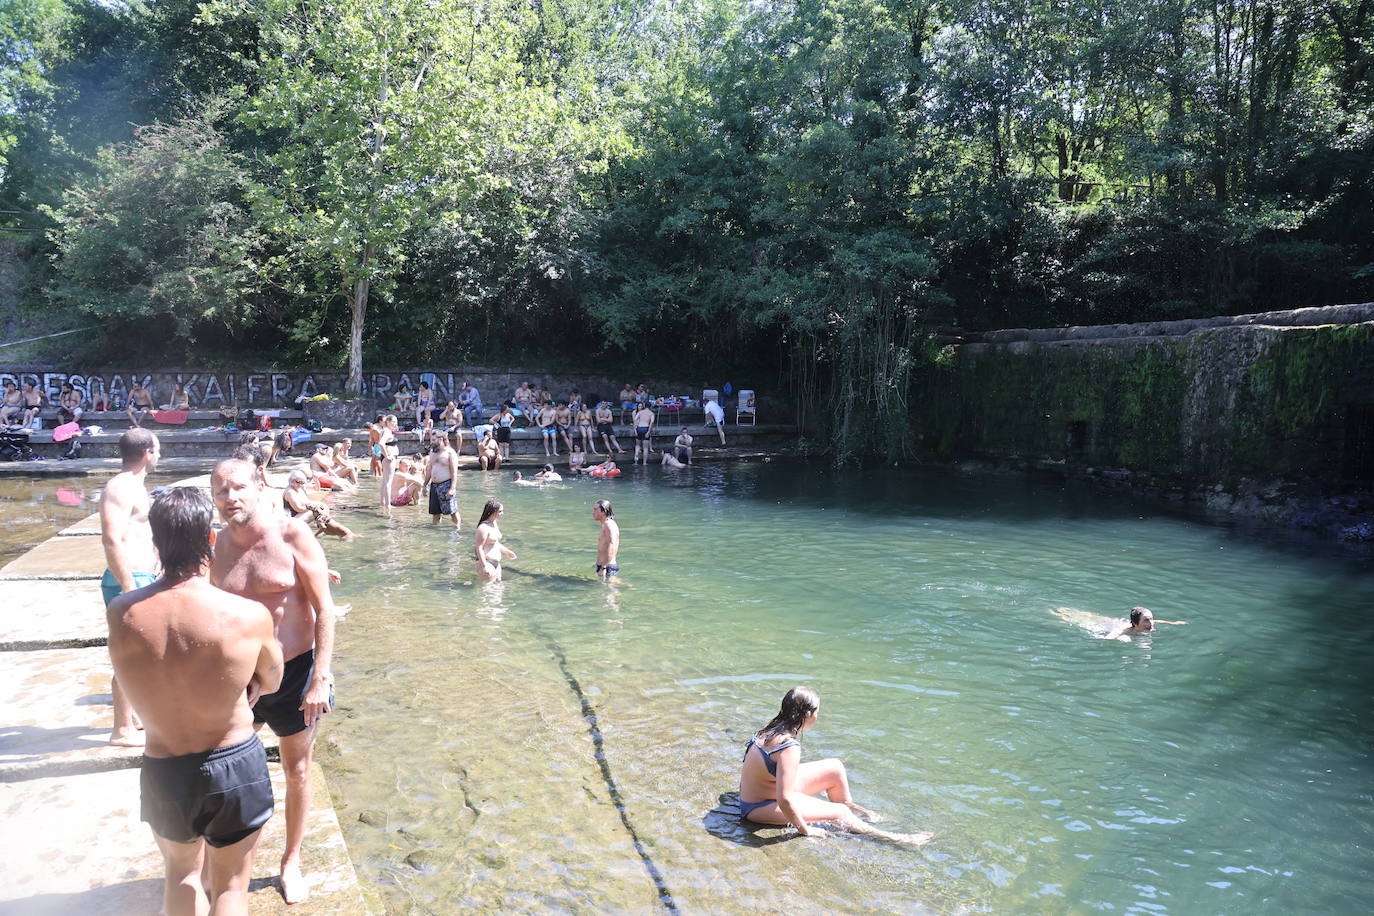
{"x":768,"y":760}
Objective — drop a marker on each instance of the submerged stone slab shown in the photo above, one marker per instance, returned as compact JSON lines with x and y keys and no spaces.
{"x":58,"y":558}
{"x":76,"y":845}
{"x":52,"y":614}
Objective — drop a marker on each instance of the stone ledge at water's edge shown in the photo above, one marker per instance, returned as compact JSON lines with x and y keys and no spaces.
{"x":69,"y":801}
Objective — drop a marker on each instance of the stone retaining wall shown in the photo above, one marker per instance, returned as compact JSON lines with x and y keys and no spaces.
{"x":1278,"y":395}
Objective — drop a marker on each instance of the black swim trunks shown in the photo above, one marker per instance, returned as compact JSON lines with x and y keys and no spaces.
{"x":224,"y":795}
{"x":604,"y":429}
{"x":282,"y":710}
{"x":441,"y":501}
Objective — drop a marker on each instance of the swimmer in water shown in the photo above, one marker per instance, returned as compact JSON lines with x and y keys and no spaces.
{"x":1141,"y":620}
{"x":487,"y":542}
{"x":775,"y":787}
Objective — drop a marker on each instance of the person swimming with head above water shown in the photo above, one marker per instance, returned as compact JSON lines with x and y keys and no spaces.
{"x":1140,"y":620}
{"x":775,"y":787}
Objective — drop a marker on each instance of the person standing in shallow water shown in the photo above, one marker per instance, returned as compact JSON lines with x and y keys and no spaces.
{"x":608,"y":542}
{"x":775,"y":787}
{"x":487,"y":542}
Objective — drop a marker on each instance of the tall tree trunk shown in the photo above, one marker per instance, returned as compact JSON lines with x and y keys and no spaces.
{"x":358,"y":302}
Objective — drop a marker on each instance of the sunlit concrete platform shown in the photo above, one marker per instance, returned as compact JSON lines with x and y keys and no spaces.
{"x":76,"y":845}
{"x":72,"y":841}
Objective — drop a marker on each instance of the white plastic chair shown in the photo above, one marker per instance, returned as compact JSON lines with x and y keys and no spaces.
{"x":745,"y":407}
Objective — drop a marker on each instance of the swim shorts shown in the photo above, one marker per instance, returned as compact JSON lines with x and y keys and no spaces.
{"x":224,"y":795}
{"x":282,"y":710}
{"x":642,"y":433}
{"x":610,"y":570}
{"x":441,"y":501}
{"x":562,"y":430}
{"x":109,"y":585}
{"x":503,"y":435}
{"x":549,"y":430}
{"x":604,"y":429}
{"x":404,"y":500}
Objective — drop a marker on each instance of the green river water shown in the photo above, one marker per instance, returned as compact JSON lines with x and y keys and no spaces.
{"x":551,"y":743}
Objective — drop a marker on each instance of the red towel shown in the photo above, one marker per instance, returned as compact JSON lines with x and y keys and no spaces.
{"x":171,"y":417}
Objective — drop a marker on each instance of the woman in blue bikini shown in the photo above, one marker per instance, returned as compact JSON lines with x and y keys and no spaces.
{"x":775,"y":787}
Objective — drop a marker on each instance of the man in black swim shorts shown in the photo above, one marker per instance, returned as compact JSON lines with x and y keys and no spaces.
{"x":204,"y":774}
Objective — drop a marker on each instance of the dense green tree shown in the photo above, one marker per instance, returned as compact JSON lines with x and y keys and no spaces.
{"x":161,"y":243}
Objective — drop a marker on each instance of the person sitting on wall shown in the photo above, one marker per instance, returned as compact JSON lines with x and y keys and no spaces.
{"x":140,"y":404}
{"x":489,"y":452}
{"x":180,"y":399}
{"x":33,"y":404}
{"x":70,"y":400}
{"x":471,"y":402}
{"x":11,"y":405}
{"x":404,"y":399}
{"x":100,"y":400}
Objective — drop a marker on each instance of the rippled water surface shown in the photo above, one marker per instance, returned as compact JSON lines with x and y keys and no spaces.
{"x":1219,"y":767}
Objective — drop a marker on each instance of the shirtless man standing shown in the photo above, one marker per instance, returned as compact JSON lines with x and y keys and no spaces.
{"x":644,"y":431}
{"x":608,"y":544}
{"x":441,"y":468}
{"x":130,"y":560}
{"x":193,"y":658}
{"x":277,"y":562}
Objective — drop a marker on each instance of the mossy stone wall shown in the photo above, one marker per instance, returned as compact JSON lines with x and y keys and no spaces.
{"x":1213,"y":404}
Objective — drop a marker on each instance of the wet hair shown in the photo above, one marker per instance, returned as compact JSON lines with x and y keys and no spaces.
{"x":605,"y":506}
{"x":180,"y":518}
{"x":379,"y":419}
{"x":492,"y":507}
{"x":548,"y":467}
{"x":797,"y":704}
{"x":134,"y":443}
{"x":1138,"y":612}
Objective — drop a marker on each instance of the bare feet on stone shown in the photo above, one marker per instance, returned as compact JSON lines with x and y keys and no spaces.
{"x":294,"y":887}
{"x":126,"y":737}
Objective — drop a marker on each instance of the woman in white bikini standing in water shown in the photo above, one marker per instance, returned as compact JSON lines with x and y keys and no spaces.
{"x":487,"y":542}
{"x":775,"y":787}
{"x":386,"y":451}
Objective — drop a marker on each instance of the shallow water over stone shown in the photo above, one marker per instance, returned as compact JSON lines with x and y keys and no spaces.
{"x":1221,"y":766}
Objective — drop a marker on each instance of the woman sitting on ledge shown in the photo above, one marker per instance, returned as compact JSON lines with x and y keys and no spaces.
{"x":775,"y":787}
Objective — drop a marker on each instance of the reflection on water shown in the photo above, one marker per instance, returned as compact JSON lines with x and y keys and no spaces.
{"x":33,"y":509}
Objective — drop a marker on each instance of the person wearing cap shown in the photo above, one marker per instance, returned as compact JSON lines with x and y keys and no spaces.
{"x":471,"y":402}
{"x":298,"y":504}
